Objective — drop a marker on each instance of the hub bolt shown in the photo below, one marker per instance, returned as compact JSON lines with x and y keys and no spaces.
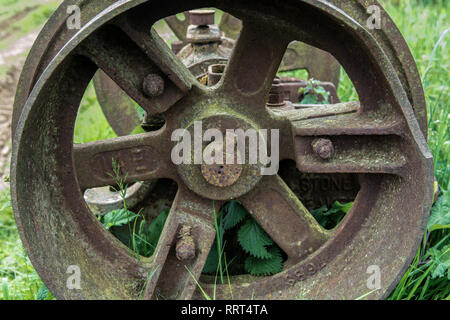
{"x":323,"y":148}
{"x":202,"y":29}
{"x":201,"y":17}
{"x":223,"y":175}
{"x":153,"y":85}
{"x":276,"y":94}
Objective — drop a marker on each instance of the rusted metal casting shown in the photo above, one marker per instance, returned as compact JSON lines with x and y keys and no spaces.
{"x":319,"y":64}
{"x":202,"y":45}
{"x":380,"y":158}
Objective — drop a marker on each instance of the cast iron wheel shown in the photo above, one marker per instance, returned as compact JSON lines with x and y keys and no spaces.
{"x":378,"y":138}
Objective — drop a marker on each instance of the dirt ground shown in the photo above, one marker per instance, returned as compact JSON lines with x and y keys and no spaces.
{"x":8,"y":85}
{"x":12,"y":58}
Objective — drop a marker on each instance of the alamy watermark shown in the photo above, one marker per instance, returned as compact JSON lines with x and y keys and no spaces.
{"x":374,"y":280}
{"x":74,"y":279}
{"x":189,"y":150}
{"x":73,"y":22}
{"x":374,"y":21}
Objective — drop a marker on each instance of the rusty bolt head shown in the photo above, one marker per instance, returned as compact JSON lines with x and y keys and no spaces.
{"x":223,"y":174}
{"x":323,"y":148}
{"x":276,"y":94}
{"x":202,"y":28}
{"x":185,"y":248}
{"x":153,"y":85}
{"x":201,"y":17}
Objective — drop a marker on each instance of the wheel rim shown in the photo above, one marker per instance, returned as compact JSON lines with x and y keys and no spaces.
{"x":334,"y":270}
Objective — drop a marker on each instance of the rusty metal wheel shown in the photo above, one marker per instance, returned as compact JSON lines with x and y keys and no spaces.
{"x":378,"y":139}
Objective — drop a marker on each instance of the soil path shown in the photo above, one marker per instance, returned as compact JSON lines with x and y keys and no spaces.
{"x":12,"y":59}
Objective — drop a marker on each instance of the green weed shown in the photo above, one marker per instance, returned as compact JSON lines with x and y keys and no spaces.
{"x":253,"y":251}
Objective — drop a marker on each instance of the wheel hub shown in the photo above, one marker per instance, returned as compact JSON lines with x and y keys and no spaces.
{"x":218,"y":167}
{"x":223,"y":170}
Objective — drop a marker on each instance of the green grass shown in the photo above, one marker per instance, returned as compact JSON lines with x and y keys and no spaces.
{"x":18,"y":279}
{"x":15,"y":25}
{"x":425,"y":27}
{"x":35,"y":17}
{"x":9,"y":8}
{"x":422,"y":23}
{"x":91,"y":124}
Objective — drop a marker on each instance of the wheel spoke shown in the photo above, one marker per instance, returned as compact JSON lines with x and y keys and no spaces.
{"x":343,"y":119}
{"x":315,"y":111}
{"x":320,"y":64}
{"x":172,"y":277}
{"x":254,"y":61}
{"x":140,"y":157}
{"x":116,"y":105}
{"x":230,"y":25}
{"x":279,"y":212}
{"x":135,"y":25}
{"x":128,"y":64}
{"x":353,"y":154}
{"x":353,"y":142}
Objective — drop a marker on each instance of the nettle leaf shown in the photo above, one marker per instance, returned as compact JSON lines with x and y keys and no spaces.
{"x":148,"y":235}
{"x":440,"y":213}
{"x":309,"y":98}
{"x":324,"y":93}
{"x":312,"y":92}
{"x":234,"y":214}
{"x":337,"y":206}
{"x":155,"y":228}
{"x":442,"y":262}
{"x":117,"y":218}
{"x":265,"y":267}
{"x":320,"y":215}
{"x":212,"y":262}
{"x":253,"y":240}
{"x":44,"y":294}
{"x":321,"y":90}
{"x":329,"y":218}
